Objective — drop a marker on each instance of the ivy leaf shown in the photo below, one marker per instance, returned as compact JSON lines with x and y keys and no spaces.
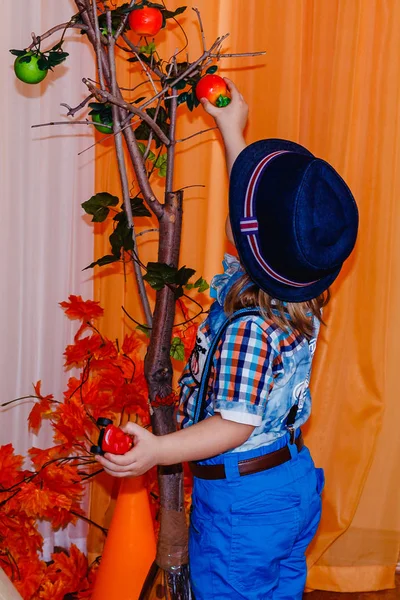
{"x":104,"y":260}
{"x":177,"y":350}
{"x":212,"y":70}
{"x":143,"y":131}
{"x":139,"y":209}
{"x":159,"y":274}
{"x":161,"y":165}
{"x":139,"y":100}
{"x":97,"y":206}
{"x":142,"y":147}
{"x":202,"y":285}
{"x":144,"y":329}
{"x":184,"y":274}
{"x":121,"y":237}
{"x":149,"y":49}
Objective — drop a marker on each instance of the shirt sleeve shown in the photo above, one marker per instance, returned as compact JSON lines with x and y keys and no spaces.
{"x":243,"y":376}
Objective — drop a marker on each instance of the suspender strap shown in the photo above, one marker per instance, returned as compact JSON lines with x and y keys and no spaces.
{"x":200,"y":406}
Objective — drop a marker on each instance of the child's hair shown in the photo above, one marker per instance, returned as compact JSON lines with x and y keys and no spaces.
{"x":243,"y":295}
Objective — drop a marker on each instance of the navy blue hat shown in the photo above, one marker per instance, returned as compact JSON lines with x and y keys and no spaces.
{"x":294,"y":220}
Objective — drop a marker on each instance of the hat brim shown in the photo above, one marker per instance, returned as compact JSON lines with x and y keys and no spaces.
{"x":242,"y":171}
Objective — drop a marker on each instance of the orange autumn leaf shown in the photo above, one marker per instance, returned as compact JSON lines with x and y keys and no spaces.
{"x":10,"y":466}
{"x":72,"y":416}
{"x":79,"y":352}
{"x":31,"y":572}
{"x":50,"y":590}
{"x":131,"y":343}
{"x":40,"y":409}
{"x":63,"y":479}
{"x":38,"y":391}
{"x":40,"y":457}
{"x":18,"y":533}
{"x":72,"y":568}
{"x":84,"y":310}
{"x":37,"y":502}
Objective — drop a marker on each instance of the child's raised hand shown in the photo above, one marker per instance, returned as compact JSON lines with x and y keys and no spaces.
{"x":230,"y":119}
{"x":142,"y":457}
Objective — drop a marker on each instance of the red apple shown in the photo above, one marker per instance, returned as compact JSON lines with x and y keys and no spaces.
{"x":146,"y":20}
{"x":214,"y":88}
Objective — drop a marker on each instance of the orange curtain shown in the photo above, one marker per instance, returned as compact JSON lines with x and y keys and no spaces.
{"x":331,"y":81}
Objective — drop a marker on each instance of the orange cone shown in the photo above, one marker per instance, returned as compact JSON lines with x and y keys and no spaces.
{"x":130,"y":547}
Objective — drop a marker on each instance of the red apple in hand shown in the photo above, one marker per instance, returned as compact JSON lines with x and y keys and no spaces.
{"x":146,"y":20}
{"x":214,"y":88}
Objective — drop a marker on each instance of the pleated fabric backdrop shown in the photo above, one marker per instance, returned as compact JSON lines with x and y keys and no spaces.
{"x":331,"y":81}
{"x":45,"y":242}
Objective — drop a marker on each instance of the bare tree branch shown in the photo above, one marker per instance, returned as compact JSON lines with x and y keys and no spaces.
{"x":189,"y":137}
{"x":53,"y":30}
{"x":203,"y":37}
{"x":86,"y":122}
{"x":72,"y":111}
{"x":103,"y":95}
{"x":171,"y":149}
{"x":123,"y":172}
{"x":98,"y":44}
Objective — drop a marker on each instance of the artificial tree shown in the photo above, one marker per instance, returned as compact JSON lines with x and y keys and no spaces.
{"x":144,"y":134}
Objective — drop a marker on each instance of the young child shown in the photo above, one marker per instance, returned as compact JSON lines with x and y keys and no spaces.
{"x":245,"y":391}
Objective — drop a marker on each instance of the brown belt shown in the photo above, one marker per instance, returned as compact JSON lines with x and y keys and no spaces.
{"x":249,"y":466}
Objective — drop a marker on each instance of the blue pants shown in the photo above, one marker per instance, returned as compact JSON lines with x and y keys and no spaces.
{"x":248,"y":534}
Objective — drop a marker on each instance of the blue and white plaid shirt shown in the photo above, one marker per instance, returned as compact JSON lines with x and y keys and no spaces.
{"x":259,"y":370}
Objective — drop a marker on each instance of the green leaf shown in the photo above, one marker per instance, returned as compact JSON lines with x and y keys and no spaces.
{"x":139,"y":209}
{"x":149,"y":49}
{"x":144,"y":329}
{"x":177,"y":350}
{"x":104,"y":260}
{"x":190,"y":101}
{"x":142,"y":147}
{"x":121,"y":237}
{"x":182,"y":98}
{"x":57,"y":47}
{"x":202,"y":285}
{"x":161,"y":165}
{"x":184,"y":274}
{"x":18,"y":52}
{"x":143,"y":131}
{"x":159,"y":274}
{"x":98,"y":206}
{"x":169,"y":14}
{"x":212,"y":70}
{"x":180,"y":85}
{"x":56,"y":58}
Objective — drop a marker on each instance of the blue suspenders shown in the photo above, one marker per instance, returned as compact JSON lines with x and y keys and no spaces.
{"x":200,"y":406}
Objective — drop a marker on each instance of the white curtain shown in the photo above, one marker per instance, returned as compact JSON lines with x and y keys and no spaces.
{"x":45,"y":240}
